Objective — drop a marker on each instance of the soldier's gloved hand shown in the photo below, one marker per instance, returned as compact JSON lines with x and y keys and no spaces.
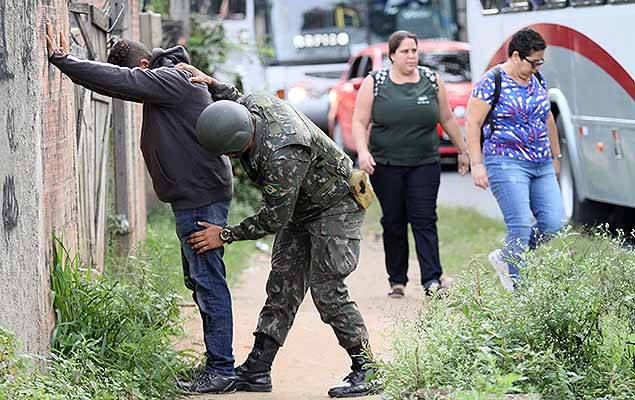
{"x":206,"y":239}
{"x":198,"y":76}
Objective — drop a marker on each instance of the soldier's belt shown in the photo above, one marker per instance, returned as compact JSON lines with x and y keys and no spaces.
{"x":361,"y":189}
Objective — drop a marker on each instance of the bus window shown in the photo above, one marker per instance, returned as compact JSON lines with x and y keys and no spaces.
{"x":514,"y":6}
{"x":341,"y":17}
{"x":547,"y":4}
{"x":221,"y":9}
{"x":621,"y":1}
{"x":581,"y":3}
{"x":425,"y":18}
{"x":319,"y":31}
{"x":490,"y":6}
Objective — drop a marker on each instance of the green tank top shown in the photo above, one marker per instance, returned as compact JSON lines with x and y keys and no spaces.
{"x":404,"y":120}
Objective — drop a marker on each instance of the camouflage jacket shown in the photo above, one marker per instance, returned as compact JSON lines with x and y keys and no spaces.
{"x":298,"y":168}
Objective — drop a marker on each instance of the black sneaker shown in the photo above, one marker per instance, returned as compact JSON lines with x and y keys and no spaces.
{"x":210,"y":382}
{"x":355,"y":384}
{"x":185,"y":381}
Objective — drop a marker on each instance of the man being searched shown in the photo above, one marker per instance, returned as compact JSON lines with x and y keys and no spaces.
{"x":196,"y":183}
{"x":307,"y":202}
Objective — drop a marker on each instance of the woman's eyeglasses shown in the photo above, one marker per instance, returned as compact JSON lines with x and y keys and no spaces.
{"x":534,"y":63}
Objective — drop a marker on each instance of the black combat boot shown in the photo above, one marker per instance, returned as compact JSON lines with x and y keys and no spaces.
{"x":358,"y":382}
{"x":254,"y":375}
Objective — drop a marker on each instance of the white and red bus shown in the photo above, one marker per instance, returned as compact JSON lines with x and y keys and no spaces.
{"x":590,"y":70}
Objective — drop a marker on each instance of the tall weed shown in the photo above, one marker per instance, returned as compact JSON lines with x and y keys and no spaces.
{"x":112,"y":339}
{"x":568,"y":332}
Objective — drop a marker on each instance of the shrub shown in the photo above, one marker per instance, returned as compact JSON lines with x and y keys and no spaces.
{"x":568,"y":332}
{"x":112,"y":340}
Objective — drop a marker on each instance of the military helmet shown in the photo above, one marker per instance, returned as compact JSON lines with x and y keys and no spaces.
{"x":224,"y":127}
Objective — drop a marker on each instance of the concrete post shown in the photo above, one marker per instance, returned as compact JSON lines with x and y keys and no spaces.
{"x":180,"y":11}
{"x":151,"y":32}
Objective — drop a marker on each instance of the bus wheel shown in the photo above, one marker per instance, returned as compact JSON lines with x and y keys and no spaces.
{"x":567,"y":187}
{"x":583,"y":212}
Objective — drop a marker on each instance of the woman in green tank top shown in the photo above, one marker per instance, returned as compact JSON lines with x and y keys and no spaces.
{"x":402,"y":106}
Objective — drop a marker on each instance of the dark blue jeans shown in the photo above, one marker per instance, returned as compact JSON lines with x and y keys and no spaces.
{"x":409,"y":195}
{"x":525,"y":189}
{"x":205,"y":275}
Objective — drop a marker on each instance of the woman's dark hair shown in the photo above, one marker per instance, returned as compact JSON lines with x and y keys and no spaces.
{"x":394,"y":41}
{"x":128,"y":53}
{"x":526,"y":42}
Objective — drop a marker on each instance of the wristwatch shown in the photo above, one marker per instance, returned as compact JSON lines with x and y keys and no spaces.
{"x":558,"y":157}
{"x":226,"y":235}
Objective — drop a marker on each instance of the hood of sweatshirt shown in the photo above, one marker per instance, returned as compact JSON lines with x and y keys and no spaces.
{"x":169,"y":57}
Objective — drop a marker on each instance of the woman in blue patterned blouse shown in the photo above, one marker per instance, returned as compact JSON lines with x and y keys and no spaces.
{"x":520,"y":152}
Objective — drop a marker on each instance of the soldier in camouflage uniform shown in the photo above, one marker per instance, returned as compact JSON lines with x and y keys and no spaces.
{"x":306,"y":202}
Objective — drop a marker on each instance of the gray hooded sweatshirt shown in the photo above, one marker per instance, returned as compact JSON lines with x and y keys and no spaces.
{"x":183,"y":173}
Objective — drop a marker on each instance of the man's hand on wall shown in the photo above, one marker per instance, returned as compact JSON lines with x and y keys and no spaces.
{"x":61,"y":48}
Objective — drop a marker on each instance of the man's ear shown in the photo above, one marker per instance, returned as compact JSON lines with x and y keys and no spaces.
{"x":144,"y":63}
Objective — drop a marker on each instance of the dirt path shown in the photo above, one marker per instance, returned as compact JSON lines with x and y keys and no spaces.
{"x":311,"y":360}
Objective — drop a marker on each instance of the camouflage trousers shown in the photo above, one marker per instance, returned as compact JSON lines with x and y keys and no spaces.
{"x":318,"y":256}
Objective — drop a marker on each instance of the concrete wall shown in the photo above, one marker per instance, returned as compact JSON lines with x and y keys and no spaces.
{"x":38,"y":171}
{"x":31,"y":136}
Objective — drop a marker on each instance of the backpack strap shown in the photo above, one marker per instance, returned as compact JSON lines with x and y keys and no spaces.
{"x":429,"y":75}
{"x":379,"y":78}
{"x":541,"y":79}
{"x":497,"y":94}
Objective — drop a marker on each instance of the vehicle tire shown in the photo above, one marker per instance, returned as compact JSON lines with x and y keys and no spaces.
{"x":577,"y":211}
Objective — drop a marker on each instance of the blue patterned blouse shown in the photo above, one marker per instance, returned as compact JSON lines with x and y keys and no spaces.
{"x":519,"y":118}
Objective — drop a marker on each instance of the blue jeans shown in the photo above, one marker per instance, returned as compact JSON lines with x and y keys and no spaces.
{"x":524,"y":189}
{"x":205,"y":275}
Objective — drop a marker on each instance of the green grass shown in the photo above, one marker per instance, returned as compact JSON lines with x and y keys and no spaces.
{"x":465,"y":236}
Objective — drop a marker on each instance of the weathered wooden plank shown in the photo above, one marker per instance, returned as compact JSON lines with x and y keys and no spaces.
{"x":79,"y":8}
{"x":99,"y":18}
{"x":100,"y":98}
{"x":85,"y":30}
{"x":102,"y":114}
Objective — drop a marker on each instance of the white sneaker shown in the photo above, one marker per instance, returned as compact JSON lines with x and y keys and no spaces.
{"x":502,"y":269}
